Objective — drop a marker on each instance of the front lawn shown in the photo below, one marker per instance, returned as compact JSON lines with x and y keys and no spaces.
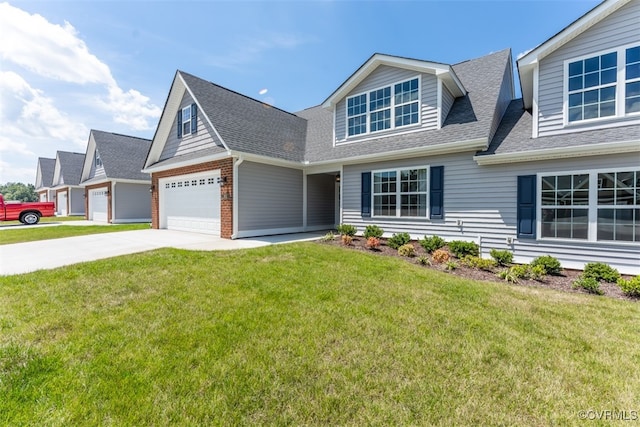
{"x":304,"y":334}
{"x":48,"y":219}
{"x":33,"y":233}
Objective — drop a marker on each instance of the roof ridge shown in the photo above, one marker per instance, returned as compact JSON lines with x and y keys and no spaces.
{"x":120,"y":134}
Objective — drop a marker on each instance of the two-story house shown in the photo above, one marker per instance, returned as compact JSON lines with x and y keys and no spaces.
{"x":427,"y":148}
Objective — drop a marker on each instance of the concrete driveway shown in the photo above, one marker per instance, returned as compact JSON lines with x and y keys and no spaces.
{"x":46,"y":254}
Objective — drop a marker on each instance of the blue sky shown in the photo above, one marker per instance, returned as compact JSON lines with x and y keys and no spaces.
{"x":71,"y":66}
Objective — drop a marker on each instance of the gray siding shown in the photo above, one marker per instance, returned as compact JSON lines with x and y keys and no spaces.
{"x":269,"y":197}
{"x":447,"y":102}
{"x":321,"y":190}
{"x":504,"y":99}
{"x":385,"y":76}
{"x":619,"y":29}
{"x":484,"y":199}
{"x":96,"y":172}
{"x":201,"y":140}
{"x":132,"y":202}
{"x":76,"y":201}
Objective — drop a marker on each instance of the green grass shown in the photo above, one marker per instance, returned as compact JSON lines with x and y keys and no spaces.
{"x":48,"y":219}
{"x":33,"y":233}
{"x":304,"y":334}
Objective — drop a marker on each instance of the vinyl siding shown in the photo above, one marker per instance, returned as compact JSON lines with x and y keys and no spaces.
{"x":618,"y":29}
{"x":504,"y":99}
{"x":447,"y":102}
{"x":96,"y":172}
{"x":321,"y":191}
{"x":76,"y":201}
{"x":133,"y":202}
{"x":385,"y":76}
{"x":484,"y":199}
{"x":203,"y":139}
{"x":269,"y":197}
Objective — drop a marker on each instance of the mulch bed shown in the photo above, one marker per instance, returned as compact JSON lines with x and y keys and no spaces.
{"x":561,"y":282}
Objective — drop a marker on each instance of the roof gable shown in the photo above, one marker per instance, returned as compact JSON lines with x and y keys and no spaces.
{"x":44,"y":175}
{"x":528,"y":62}
{"x":68,"y":168}
{"x":442,"y":71}
{"x":122,"y":155}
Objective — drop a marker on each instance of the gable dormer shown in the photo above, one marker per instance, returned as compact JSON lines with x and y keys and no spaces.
{"x":587,"y":76}
{"x":389,"y":95}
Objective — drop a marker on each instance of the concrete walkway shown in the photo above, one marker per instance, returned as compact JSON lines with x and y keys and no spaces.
{"x":46,"y":254}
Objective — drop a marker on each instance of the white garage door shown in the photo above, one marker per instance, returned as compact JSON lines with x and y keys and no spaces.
{"x":191,"y":203}
{"x":98,"y":205}
{"x":43,"y":197}
{"x":61,"y":203}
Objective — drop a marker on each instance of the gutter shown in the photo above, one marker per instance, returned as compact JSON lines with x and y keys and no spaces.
{"x":190,"y":162}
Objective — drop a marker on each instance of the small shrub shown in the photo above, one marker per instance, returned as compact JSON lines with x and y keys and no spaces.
{"x":601,"y":271}
{"x":347,"y":230}
{"x":537,"y":272}
{"x":462,"y":249}
{"x":521,"y":271}
{"x":451,"y":265}
{"x":589,"y":284}
{"x":373,"y":243}
{"x":373,"y":231}
{"x":440,"y":256}
{"x":398,"y":240}
{"x":423,"y":260}
{"x":508,"y":276}
{"x":328,"y":237}
{"x":347,"y":240}
{"x":432,"y":243}
{"x":407,"y":250}
{"x":551,"y":264}
{"x":630,"y":287}
{"x":503,"y":258}
{"x":479,"y":263}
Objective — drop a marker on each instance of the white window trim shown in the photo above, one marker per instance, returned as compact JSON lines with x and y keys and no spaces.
{"x":391,"y":107}
{"x":98,"y":160}
{"x":183,"y":121}
{"x":592,"y":233}
{"x":399,"y":193}
{"x":619,"y":85}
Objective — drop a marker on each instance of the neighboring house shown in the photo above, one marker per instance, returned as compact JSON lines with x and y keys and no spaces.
{"x":427,"y":148}
{"x":69,"y":196}
{"x":44,"y":179}
{"x":116,"y":191}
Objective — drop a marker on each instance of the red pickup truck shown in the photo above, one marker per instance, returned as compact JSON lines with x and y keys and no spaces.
{"x":27,"y":213}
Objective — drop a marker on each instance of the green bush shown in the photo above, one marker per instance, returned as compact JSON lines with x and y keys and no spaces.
{"x":432,"y":243}
{"x":503,"y":258}
{"x":347,"y":230}
{"x":479,"y":263}
{"x":589,"y":284}
{"x":550,"y":264}
{"x":451,"y":265}
{"x":423,"y":260}
{"x":601,"y":271}
{"x":461,"y":249}
{"x":508,"y":276}
{"x":398,"y":240}
{"x":522,"y":271}
{"x":407,"y":250}
{"x":537,"y":272}
{"x":630,"y":287}
{"x":373,"y":231}
{"x":328,"y":237}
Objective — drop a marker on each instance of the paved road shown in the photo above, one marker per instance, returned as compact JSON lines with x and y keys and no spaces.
{"x":45,"y":254}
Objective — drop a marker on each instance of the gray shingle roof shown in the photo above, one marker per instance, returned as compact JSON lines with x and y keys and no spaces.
{"x":46,"y":167}
{"x":70,"y":167}
{"x":248,"y":125}
{"x":470,"y":116}
{"x":514,"y":134}
{"x":122,"y":156}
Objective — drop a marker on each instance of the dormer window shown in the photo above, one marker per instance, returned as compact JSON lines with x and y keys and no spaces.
{"x":606,"y":85}
{"x":98,"y":160}
{"x":371,"y":111}
{"x":186,"y":121}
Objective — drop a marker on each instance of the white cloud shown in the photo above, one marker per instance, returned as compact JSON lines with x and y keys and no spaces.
{"x":58,"y":53}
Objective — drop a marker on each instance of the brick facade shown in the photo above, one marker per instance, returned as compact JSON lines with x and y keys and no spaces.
{"x":226,"y":191}
{"x":86,"y":199}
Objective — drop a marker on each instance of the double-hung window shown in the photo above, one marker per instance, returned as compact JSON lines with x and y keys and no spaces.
{"x":98,"y":160}
{"x":400,"y":193}
{"x":593,"y":206}
{"x":606,"y":85}
{"x":186,"y":120}
{"x":385,"y":108}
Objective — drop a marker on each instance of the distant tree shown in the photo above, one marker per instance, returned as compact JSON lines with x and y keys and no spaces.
{"x":19,"y":191}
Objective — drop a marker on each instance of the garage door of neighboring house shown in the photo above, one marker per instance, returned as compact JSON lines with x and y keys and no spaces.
{"x":98,"y":204}
{"x":43,"y":197}
{"x":191,"y":202}
{"x":61,"y":203}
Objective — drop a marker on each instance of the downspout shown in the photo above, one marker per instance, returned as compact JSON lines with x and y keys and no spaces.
{"x":236,"y":183}
{"x":112,"y":194}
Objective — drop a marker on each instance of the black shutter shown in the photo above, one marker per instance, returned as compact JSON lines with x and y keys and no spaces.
{"x":527,"y":207}
{"x":436,"y":192}
{"x":179,"y":123}
{"x":194,"y":118}
{"x":365,"y":204}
